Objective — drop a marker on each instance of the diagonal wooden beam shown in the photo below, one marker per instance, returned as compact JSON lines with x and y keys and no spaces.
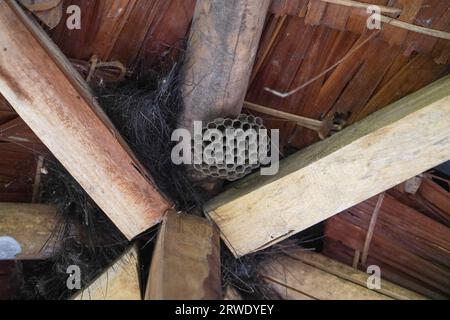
{"x":40,"y":84}
{"x":387,"y":148}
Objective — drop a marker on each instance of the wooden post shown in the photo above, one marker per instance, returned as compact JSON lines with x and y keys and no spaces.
{"x":387,"y":148}
{"x":31,"y":228}
{"x":118,"y":282}
{"x":186,"y":260}
{"x":219,"y":59}
{"x":42,"y":87}
{"x":302,"y":275}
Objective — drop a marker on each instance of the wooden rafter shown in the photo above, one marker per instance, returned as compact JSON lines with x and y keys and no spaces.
{"x":387,"y":148}
{"x":42,"y":87}
{"x":190,"y":244}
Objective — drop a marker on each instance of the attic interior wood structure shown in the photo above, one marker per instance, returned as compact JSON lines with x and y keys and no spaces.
{"x":92,"y":205}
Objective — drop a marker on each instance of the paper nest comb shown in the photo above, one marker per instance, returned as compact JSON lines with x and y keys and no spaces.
{"x":245,"y":158}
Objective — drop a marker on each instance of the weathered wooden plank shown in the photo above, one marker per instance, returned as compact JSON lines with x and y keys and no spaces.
{"x":48,"y":12}
{"x":336,"y":16}
{"x":410,"y":9}
{"x":319,"y":277}
{"x":6,"y":116}
{"x":16,"y":131}
{"x":406,"y":227}
{"x":11,"y":279}
{"x":33,"y":228}
{"x":17,"y":171}
{"x":35,"y":79}
{"x":348,"y":273}
{"x":293,"y":279}
{"x":340,"y":77}
{"x":390,"y":146}
{"x":166,"y":39}
{"x":130,"y":39}
{"x":111,"y":19}
{"x":82,"y":43}
{"x":232,"y":294}
{"x":4,"y":105}
{"x":389,"y":270}
{"x":390,"y":253}
{"x":186,"y":260}
{"x":316,"y":10}
{"x":415,"y":75}
{"x":119,"y":282}
{"x":438,"y":198}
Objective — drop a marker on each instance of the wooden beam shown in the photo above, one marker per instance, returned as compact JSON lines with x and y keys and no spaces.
{"x":304,"y":122}
{"x":415,"y":28}
{"x":44,"y":90}
{"x":232,"y":294}
{"x":298,"y":274}
{"x":32,"y":227}
{"x":186,"y":260}
{"x":387,"y":148}
{"x":363,"y":5}
{"x":392,"y":21}
{"x":49,"y":12}
{"x":219,"y":59}
{"x":118,"y":282}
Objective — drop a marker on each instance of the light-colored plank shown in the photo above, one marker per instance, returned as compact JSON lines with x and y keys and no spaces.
{"x":304,"y":277}
{"x":33,"y":228}
{"x":295,"y":280}
{"x":118,"y":282}
{"x":232,"y":294}
{"x":186,"y":260}
{"x":363,"y":5}
{"x":348,"y":273}
{"x":387,"y":148}
{"x":219,"y":58}
{"x":36,"y":79}
{"x":49,"y":12}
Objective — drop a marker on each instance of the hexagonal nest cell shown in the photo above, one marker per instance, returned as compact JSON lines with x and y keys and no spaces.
{"x":236,"y":137}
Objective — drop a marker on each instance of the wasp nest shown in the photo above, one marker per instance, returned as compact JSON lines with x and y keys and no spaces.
{"x":231,"y":148}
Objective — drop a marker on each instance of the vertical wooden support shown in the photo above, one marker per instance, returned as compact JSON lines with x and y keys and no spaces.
{"x":118,"y":282}
{"x":219,"y":59}
{"x":42,"y":87}
{"x":186,"y":260}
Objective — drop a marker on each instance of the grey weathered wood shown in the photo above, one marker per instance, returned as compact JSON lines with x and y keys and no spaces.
{"x":219,"y":59}
{"x":41,"y":85}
